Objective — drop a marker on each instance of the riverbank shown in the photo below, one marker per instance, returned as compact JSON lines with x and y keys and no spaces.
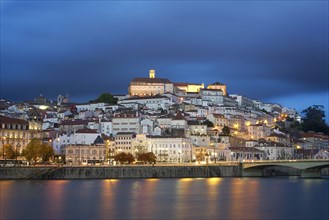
{"x":130,"y":172}
{"x":118,"y":172}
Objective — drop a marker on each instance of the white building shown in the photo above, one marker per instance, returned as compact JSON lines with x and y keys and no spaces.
{"x":258,"y":131}
{"x":242,"y":101}
{"x":126,"y":122}
{"x":275,"y":151}
{"x":123,"y":142}
{"x":106,"y":127}
{"x":170,"y":148}
{"x":213,"y":96}
{"x":83,"y":136}
{"x":151,"y":102}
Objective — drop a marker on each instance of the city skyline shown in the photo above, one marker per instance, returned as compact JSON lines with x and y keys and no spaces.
{"x":272,"y":51}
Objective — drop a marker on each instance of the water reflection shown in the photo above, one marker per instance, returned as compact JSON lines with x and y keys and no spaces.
{"x":208,"y":198}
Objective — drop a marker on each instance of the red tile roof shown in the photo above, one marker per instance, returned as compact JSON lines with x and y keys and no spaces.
{"x":8,"y":120}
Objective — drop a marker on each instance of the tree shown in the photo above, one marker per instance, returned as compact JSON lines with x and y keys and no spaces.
{"x":314,"y":119}
{"x":46,"y":152}
{"x":148,"y":157}
{"x":10,"y":152}
{"x":120,"y":157}
{"x":124,"y":157}
{"x":226,"y":130}
{"x":107,"y":97}
{"x":36,"y":150}
{"x":130,"y":158}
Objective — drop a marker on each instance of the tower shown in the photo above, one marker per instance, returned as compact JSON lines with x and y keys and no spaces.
{"x":152,"y":73}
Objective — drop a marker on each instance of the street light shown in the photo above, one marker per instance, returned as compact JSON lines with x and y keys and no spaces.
{"x":3,"y":147}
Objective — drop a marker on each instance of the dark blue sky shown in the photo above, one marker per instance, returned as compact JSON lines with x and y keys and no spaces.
{"x":276,"y":51}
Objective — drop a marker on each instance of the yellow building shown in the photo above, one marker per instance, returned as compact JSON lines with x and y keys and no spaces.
{"x":150,"y":86}
{"x":189,"y":87}
{"x":218,"y":85}
{"x":14,"y":132}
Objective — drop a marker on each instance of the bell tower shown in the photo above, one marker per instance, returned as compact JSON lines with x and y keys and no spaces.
{"x":152,"y":73}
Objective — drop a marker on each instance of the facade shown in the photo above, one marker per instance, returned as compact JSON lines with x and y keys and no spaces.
{"x":246,"y":154}
{"x":189,"y":87}
{"x":75,"y":154}
{"x":126,"y":122}
{"x":170,"y":149}
{"x":123,"y":142}
{"x":212,"y":96}
{"x":14,"y":132}
{"x":150,"y":86}
{"x":106,"y":127}
{"x":243,"y":101}
{"x":279,"y":138}
{"x":275,"y":151}
{"x":219,"y":120}
{"x":83,"y":136}
{"x":70,"y":126}
{"x":258,"y":131}
{"x":150,"y":102}
{"x":218,"y":85}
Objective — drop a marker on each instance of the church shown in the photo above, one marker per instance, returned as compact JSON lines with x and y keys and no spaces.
{"x":150,"y":86}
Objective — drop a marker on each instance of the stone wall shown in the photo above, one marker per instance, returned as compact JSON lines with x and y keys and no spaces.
{"x":129,"y":172}
{"x":122,"y":172}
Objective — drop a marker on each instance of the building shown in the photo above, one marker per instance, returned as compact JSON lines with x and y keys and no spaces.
{"x":150,"y":86}
{"x":126,"y":122}
{"x":218,"y":85}
{"x":189,"y":87}
{"x":246,"y":153}
{"x":243,"y":102}
{"x":274,"y":150}
{"x":123,"y":142}
{"x":170,"y":149}
{"x":75,"y":154}
{"x":150,"y":102}
{"x":219,"y":120}
{"x":106,"y":127}
{"x":14,"y":132}
{"x":258,"y":131}
{"x":212,"y":96}
{"x":70,"y":126}
{"x":83,"y":136}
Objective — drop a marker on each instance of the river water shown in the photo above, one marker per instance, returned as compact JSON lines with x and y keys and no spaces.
{"x":200,"y":198}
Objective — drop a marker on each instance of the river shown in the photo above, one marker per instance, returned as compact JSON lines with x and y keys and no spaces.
{"x":199,"y":198}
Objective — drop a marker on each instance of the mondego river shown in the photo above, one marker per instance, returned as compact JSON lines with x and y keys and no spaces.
{"x":199,"y":198}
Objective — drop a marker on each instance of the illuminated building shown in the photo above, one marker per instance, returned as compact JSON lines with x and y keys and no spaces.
{"x":189,"y":87}
{"x":218,"y":85}
{"x":150,"y":86}
{"x":14,"y":132}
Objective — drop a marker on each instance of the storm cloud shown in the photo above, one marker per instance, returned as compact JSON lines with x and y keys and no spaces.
{"x":264,"y":50}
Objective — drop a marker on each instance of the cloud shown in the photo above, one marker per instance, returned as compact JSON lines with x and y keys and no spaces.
{"x":261,"y":49}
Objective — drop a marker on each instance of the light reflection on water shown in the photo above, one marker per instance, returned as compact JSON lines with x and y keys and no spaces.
{"x":186,"y":198}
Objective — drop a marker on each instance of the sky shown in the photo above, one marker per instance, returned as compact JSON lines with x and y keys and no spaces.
{"x":274,"y":51}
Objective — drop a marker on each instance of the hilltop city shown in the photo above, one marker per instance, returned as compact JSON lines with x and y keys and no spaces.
{"x":171,"y":122}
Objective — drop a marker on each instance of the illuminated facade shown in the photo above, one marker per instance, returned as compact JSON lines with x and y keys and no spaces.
{"x":77,"y":153}
{"x":150,"y":86}
{"x":189,"y":87}
{"x":218,"y":85}
{"x":14,"y":132}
